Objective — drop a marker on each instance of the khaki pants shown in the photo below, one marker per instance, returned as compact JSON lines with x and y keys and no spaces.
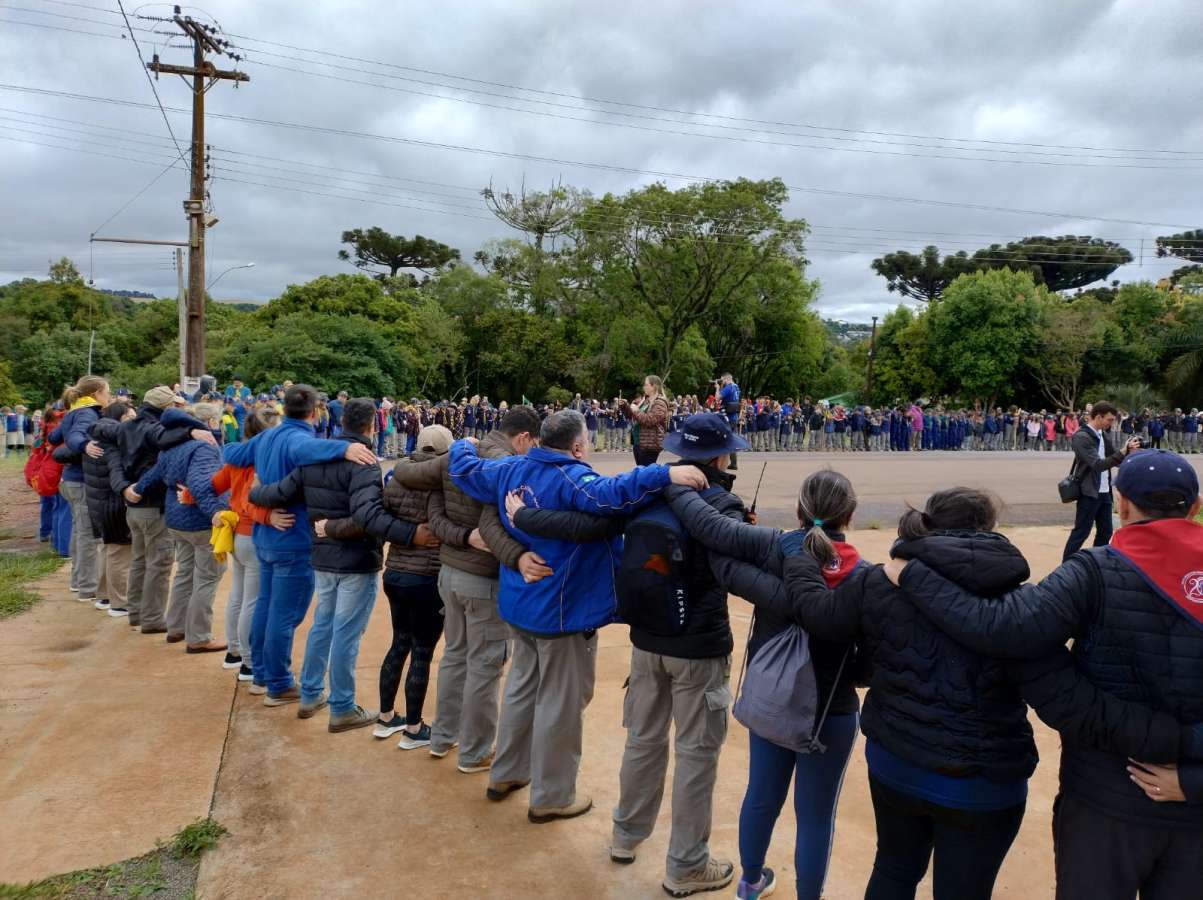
{"x":542,"y":716}
{"x":695,"y":696}
{"x":85,"y":548}
{"x":197,"y":574}
{"x":149,"y":567}
{"x":477,"y":644}
{"x":114,"y":575}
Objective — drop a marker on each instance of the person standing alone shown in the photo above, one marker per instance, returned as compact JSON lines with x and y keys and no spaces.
{"x":1094,"y":457}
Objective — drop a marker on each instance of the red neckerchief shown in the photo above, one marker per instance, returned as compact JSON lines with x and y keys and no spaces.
{"x":1168,"y":554}
{"x":847,"y":559}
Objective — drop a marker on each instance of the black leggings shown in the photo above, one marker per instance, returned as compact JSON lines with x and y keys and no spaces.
{"x":416,"y":610}
{"x":646,"y":457}
{"x":969,"y":845}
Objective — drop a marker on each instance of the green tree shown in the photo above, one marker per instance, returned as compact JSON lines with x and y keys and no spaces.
{"x":1186,"y":245}
{"x":983,"y":332}
{"x":10,"y":394}
{"x":900,"y":367}
{"x":47,"y":362}
{"x":1059,"y":263}
{"x":375,"y":249}
{"x":921,"y":276}
{"x":65,"y":272}
{"x":1068,"y":332}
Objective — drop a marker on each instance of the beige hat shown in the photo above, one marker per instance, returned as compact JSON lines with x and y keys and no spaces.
{"x":434,"y":439}
{"x":159,"y":397}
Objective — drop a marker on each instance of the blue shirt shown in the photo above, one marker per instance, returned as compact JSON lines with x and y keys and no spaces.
{"x":974,"y":792}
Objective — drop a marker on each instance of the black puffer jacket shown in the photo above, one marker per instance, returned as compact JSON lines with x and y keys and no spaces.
{"x":139,"y":441}
{"x":931,"y":702}
{"x":1128,"y":640}
{"x":747,"y":561}
{"x":338,"y":490}
{"x":707,"y":634}
{"x":102,"y":485}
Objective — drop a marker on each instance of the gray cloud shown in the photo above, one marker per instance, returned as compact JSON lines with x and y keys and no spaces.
{"x":1076,"y":72}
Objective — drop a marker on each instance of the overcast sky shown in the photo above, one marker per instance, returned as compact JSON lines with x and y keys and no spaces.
{"x":1123,"y":78}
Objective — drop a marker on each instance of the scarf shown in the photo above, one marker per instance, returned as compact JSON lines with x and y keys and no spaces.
{"x":1168,"y":554}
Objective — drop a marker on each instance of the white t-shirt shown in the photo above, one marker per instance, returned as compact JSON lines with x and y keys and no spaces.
{"x":1105,"y":476}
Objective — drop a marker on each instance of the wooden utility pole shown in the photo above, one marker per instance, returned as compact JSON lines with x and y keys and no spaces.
{"x":204,"y":75}
{"x":872,"y":356}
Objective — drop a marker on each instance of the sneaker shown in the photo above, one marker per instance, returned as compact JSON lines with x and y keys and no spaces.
{"x":502,"y":789}
{"x":621,"y":855}
{"x":232,"y":661}
{"x":73,"y":589}
{"x":83,"y":599}
{"x":388,"y":729}
{"x":292,"y":695}
{"x":308,"y":709}
{"x":578,"y":807}
{"x":257,"y":689}
{"x":714,"y":876}
{"x":101,"y":604}
{"x":356,"y":718}
{"x":118,"y":611}
{"x":475,"y":769}
{"x":244,"y":673}
{"x":439,"y":754}
{"x":765,"y":886}
{"x":412,"y":741}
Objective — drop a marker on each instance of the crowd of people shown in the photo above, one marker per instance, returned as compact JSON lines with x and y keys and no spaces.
{"x":494,"y":534}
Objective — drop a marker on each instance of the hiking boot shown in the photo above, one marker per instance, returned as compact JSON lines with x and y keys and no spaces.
{"x":765,"y":886}
{"x":172,"y":638}
{"x":118,"y":612}
{"x":101,"y":604}
{"x":207,"y":647}
{"x":245,"y":674}
{"x":439,"y":754}
{"x":476,"y":768}
{"x":578,"y":807}
{"x":502,"y":789}
{"x":258,"y":689}
{"x":412,"y":741}
{"x":387,"y":729}
{"x":621,"y":855}
{"x":355,"y":718}
{"x":308,"y":708}
{"x":714,"y":876}
{"x":291,"y":695}
{"x":232,"y":661}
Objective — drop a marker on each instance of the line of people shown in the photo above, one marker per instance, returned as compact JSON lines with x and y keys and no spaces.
{"x":529,"y":552}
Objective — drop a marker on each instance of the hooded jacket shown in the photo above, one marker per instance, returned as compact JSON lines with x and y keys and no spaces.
{"x":72,"y":432}
{"x":103,"y":481}
{"x":191,"y":464}
{"x":579,"y":595}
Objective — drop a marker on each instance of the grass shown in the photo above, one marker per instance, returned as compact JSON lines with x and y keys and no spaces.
{"x":16,"y":571}
{"x":168,"y":872}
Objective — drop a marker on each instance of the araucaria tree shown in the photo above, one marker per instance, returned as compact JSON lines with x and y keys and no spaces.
{"x":375,"y":249}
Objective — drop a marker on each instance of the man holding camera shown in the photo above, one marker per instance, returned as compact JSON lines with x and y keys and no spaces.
{"x":1095,"y":455}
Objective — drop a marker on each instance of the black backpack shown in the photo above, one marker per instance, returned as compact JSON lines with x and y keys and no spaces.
{"x":652,"y":584}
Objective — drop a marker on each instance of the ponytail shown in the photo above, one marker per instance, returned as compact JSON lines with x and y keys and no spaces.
{"x":826,"y":502}
{"x":955,"y":509}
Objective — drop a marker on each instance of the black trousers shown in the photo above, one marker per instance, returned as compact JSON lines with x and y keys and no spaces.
{"x":646,"y":457}
{"x":1091,"y":514}
{"x":969,"y":846}
{"x":416,"y":610}
{"x":1102,"y":858}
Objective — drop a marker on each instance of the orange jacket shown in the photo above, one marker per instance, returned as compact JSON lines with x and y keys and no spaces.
{"x":237,"y":480}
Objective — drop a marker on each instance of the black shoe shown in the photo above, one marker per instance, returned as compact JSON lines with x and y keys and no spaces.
{"x":244,"y":673}
{"x":232,"y":661}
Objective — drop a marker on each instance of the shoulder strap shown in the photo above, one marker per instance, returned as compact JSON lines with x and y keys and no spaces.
{"x":744,"y":668}
{"x":815,"y":743}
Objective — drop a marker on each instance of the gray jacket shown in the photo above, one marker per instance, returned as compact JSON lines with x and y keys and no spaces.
{"x":1088,"y":465}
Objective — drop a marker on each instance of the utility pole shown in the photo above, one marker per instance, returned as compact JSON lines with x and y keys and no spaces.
{"x":204,"y":75}
{"x":872,"y":355}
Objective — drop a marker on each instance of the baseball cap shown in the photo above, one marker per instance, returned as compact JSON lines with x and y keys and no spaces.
{"x":1158,"y":481}
{"x":704,"y":436}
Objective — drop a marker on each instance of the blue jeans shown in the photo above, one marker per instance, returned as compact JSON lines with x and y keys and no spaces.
{"x":285,"y":586}
{"x":60,"y":531}
{"x":411,"y":441}
{"x":344,"y":605}
{"x":817,"y":778}
{"x":46,"y":522}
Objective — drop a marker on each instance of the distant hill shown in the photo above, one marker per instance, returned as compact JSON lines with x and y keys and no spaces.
{"x":847,"y":332}
{"x":132,"y":295}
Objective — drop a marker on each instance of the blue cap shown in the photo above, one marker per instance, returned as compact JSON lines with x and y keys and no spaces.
{"x":704,"y":436}
{"x":1158,"y":481}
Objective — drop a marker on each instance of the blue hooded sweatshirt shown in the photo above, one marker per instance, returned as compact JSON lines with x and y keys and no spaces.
{"x":579,"y":596}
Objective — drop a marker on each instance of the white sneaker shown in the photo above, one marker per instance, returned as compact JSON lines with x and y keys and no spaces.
{"x":118,"y":612}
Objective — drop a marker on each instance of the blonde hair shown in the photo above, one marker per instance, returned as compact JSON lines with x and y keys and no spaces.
{"x":657,"y":384}
{"x":88,"y":386}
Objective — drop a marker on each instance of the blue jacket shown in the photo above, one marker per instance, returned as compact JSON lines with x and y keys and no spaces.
{"x":193,"y":465}
{"x":274,"y":453}
{"x":73,"y":431}
{"x":579,"y":596}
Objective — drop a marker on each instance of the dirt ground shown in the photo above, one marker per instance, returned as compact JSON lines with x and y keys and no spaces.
{"x":111,"y":740}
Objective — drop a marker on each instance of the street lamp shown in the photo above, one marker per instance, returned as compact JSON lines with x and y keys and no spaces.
{"x":227,"y":271}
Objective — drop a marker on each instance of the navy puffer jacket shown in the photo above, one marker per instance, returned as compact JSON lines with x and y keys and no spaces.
{"x":191,"y":464}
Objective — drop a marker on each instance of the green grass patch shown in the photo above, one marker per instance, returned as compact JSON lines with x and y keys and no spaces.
{"x":16,"y":571}
{"x":166,"y":873}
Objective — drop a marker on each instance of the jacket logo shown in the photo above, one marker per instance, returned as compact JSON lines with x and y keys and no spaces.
{"x":658,"y":564}
{"x":1192,"y":587}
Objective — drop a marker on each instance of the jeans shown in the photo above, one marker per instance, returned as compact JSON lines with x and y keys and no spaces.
{"x":46,"y":520}
{"x":285,"y":587}
{"x":818,"y":778}
{"x":344,"y":605}
{"x":1090,"y":514}
{"x":244,"y":591}
{"x":60,"y":529}
{"x":969,"y":846}
{"x":416,"y":612}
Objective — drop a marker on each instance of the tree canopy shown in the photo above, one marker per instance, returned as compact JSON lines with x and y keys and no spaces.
{"x":375,"y":249}
{"x":921,"y":276}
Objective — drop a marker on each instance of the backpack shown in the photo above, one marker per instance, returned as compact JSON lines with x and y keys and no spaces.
{"x":653,"y":579}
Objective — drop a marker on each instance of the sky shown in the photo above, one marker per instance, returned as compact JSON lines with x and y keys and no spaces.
{"x":992,"y":115}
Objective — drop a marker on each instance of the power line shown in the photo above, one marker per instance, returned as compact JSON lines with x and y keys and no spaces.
{"x":171,"y":165}
{"x":343,"y":132}
{"x":154,"y":90}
